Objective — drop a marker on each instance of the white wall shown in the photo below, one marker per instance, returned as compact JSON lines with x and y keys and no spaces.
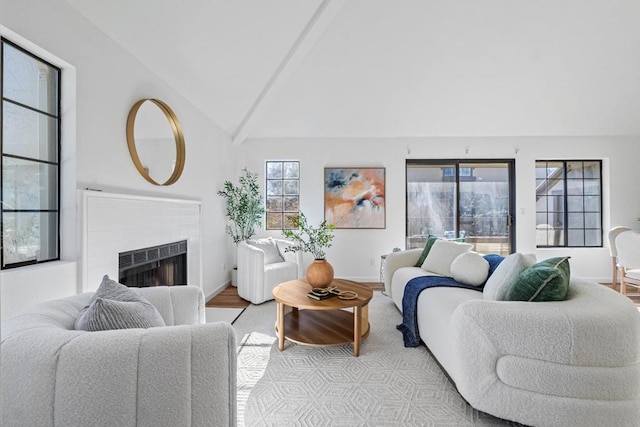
{"x":356,"y":253}
{"x":109,"y":81}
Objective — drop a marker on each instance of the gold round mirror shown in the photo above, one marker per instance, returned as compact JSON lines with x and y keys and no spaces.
{"x":156,"y":141}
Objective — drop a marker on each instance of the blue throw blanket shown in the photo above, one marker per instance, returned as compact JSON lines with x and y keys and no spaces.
{"x":409,"y":325}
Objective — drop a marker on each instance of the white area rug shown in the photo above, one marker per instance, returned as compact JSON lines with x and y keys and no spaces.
{"x":254,"y":350}
{"x":387,"y":385}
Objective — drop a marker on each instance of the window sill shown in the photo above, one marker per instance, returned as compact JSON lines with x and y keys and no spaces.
{"x":36,"y":267}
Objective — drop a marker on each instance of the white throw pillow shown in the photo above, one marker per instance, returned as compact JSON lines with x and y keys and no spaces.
{"x":270,"y":249}
{"x":506,"y":274}
{"x":442,"y":254}
{"x":282,"y":245}
{"x":470,"y":268}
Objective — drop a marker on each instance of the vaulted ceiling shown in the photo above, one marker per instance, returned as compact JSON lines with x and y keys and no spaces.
{"x":391,"y":68}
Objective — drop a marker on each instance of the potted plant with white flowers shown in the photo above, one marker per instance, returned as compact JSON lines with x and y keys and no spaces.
{"x":314,"y":240}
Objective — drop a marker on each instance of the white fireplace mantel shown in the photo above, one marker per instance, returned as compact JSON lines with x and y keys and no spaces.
{"x":113,"y":223}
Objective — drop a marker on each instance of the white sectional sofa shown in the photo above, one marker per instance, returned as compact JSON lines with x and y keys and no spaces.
{"x":182,"y":374}
{"x":562,"y":363}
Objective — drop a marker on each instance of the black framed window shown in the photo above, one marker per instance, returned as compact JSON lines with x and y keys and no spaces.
{"x":470,"y":199}
{"x":569,"y":203}
{"x":30,"y":141}
{"x":283,"y":194}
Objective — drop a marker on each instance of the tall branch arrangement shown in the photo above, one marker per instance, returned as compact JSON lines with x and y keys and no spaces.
{"x":244,"y":206}
{"x":308,"y":238}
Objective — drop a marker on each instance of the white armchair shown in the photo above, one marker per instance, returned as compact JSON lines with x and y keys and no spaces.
{"x":183,"y":374}
{"x":613,"y":251}
{"x":262,"y":265}
{"x":628,"y":246}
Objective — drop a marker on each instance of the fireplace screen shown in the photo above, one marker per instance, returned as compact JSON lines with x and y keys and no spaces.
{"x":164,"y":265}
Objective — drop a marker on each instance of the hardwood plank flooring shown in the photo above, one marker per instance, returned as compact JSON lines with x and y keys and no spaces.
{"x":228,"y":298}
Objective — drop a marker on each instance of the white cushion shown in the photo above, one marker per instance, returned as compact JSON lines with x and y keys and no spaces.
{"x":279,"y":272}
{"x":506,"y":274}
{"x":470,"y":268}
{"x":442,"y":254}
{"x":400,"y":279}
{"x":633,"y":274}
{"x":270,"y":249}
{"x":282,"y":246}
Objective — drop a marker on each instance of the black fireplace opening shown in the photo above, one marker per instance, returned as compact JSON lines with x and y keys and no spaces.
{"x":163,"y":265}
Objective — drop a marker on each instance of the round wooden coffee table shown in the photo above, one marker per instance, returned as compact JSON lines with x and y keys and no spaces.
{"x":322,"y":323}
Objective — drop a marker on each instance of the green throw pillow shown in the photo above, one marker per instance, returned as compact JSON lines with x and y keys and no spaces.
{"x":545,"y":281}
{"x":427,"y":247}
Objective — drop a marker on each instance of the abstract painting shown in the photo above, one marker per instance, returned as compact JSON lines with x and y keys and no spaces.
{"x":354,"y":197}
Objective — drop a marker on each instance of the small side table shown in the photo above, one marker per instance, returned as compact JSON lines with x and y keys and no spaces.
{"x":382,"y":260}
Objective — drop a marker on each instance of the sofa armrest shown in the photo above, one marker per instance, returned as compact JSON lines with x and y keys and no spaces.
{"x":560,"y":331}
{"x":293,"y":257}
{"x":396,"y":260}
{"x":178,"y":305}
{"x":587,"y":347}
{"x":180,"y":375}
{"x":250,"y":272}
{"x":174,"y":375}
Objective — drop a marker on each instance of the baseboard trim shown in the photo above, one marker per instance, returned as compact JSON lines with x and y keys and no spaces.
{"x":216,"y":291}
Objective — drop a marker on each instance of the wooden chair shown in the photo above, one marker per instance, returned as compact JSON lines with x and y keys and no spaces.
{"x":613,"y":233}
{"x":628,"y":246}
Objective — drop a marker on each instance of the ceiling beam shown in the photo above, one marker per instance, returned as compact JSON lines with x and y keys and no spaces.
{"x":319,"y":22}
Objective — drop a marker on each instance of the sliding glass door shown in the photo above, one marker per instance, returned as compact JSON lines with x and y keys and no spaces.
{"x":466,"y":199}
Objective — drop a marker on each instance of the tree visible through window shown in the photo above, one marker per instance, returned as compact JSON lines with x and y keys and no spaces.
{"x":568,"y":203}
{"x":30,"y":158}
{"x":283,"y":194}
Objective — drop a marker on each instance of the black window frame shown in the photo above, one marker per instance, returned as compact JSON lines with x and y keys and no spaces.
{"x":58,"y":117}
{"x":565,"y":195}
{"x":462,"y":174}
{"x":287,"y":216}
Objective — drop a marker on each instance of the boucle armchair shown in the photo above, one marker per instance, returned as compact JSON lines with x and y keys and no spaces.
{"x":183,"y":374}
{"x":262,"y":265}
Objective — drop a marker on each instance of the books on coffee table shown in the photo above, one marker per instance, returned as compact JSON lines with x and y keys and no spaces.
{"x":319,"y":297}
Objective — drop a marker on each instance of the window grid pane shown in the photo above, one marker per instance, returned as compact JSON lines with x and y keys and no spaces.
{"x":283,"y":194}
{"x":274,"y":204}
{"x":569,"y":203}
{"x":29,"y":80}
{"x":29,"y":185}
{"x":28,"y":133}
{"x":30,"y":158}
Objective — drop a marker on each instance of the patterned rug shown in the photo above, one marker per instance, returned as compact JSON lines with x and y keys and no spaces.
{"x":253,"y":356}
{"x":387,"y":385}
